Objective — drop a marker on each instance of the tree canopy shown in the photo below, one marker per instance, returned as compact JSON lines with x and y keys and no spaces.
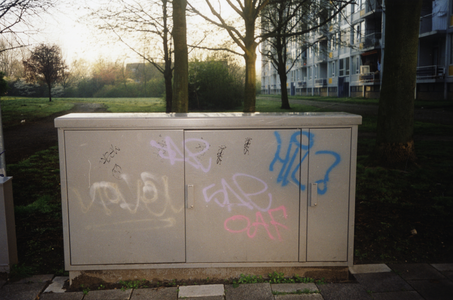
{"x":45,"y":65}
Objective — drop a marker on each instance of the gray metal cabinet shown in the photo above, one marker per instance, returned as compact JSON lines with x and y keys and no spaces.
{"x":186,"y":190}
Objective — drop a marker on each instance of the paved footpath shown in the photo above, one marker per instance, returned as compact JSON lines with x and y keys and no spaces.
{"x":379,"y":282}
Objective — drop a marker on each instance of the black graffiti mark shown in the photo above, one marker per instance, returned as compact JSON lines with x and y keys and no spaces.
{"x":116,"y":171}
{"x":108,"y":155}
{"x":248,"y":142}
{"x":220,"y":154}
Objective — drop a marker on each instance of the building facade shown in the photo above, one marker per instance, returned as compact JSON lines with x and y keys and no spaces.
{"x":346,"y":56}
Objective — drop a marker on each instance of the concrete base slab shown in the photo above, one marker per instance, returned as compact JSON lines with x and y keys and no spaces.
{"x":59,"y":296}
{"x":215,"y":273}
{"x":108,"y":294}
{"x":416,"y":271}
{"x":383,"y":282}
{"x":372,"y":268}
{"x":253,"y":291}
{"x":170,"y":293}
{"x":343,"y":291}
{"x":57,"y":285}
{"x":195,"y":291}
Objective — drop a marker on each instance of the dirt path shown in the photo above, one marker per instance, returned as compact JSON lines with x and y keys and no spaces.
{"x":24,"y":140}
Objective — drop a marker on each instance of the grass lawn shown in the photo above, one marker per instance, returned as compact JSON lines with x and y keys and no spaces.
{"x":390,"y":204}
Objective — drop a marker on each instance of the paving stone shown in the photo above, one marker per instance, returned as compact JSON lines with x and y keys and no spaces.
{"x":205,"y":298}
{"x":406,"y":295}
{"x":62,"y":296}
{"x":25,"y":291}
{"x":433,"y":289}
{"x":343,"y":291}
{"x":371,"y":268}
{"x":57,"y":285}
{"x":170,"y":293}
{"x":445,"y":269}
{"x":108,"y":294}
{"x":448,"y":274}
{"x":208,"y":290}
{"x":251,"y":291}
{"x":299,"y":297}
{"x":416,"y":271}
{"x":35,"y":279}
{"x":294,"y":287}
{"x":383,"y":282}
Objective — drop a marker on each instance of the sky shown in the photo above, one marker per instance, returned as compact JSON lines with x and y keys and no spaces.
{"x":65,"y":27}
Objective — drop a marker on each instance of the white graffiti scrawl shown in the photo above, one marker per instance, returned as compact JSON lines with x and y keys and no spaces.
{"x":169,"y":150}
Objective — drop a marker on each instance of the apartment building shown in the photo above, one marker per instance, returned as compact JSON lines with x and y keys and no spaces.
{"x":346,"y":57}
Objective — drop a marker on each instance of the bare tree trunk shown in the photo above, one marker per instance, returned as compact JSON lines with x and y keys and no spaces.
{"x":281,"y":49}
{"x":395,"y":127}
{"x":180,"y":101}
{"x":168,"y":72}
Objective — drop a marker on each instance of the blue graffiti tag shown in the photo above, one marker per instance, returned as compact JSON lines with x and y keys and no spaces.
{"x":290,"y":162}
{"x":323,"y":182}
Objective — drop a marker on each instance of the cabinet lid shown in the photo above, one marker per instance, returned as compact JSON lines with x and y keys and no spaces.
{"x":205,"y":120}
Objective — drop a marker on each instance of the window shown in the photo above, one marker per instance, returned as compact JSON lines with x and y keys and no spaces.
{"x":451,"y":48}
{"x":357,"y":65}
{"x":358,"y":34}
{"x":332,"y":68}
{"x":341,"y":68}
{"x":347,"y":65}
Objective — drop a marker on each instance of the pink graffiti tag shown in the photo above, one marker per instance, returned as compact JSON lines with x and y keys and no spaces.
{"x":168,"y":150}
{"x":259,"y":221}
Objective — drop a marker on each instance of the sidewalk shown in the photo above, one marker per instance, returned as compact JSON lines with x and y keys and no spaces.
{"x":382,"y":282}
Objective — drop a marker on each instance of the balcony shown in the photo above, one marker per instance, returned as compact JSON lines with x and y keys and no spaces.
{"x":322,"y":82}
{"x":321,"y":57}
{"x":372,"y":40}
{"x":301,"y":84}
{"x":432,"y":23}
{"x":369,"y":78}
{"x":372,"y":6}
{"x":430,"y":72}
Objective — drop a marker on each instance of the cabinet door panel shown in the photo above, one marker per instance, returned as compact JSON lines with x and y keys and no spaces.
{"x":125,"y":196}
{"x":242,"y":195}
{"x":329,"y":172}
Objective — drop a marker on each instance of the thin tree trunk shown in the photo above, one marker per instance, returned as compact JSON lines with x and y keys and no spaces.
{"x":180,"y":101}
{"x":168,"y":73}
{"x":49,"y":87}
{"x":250,"y":85}
{"x":395,"y":127}
{"x":168,"y":90}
